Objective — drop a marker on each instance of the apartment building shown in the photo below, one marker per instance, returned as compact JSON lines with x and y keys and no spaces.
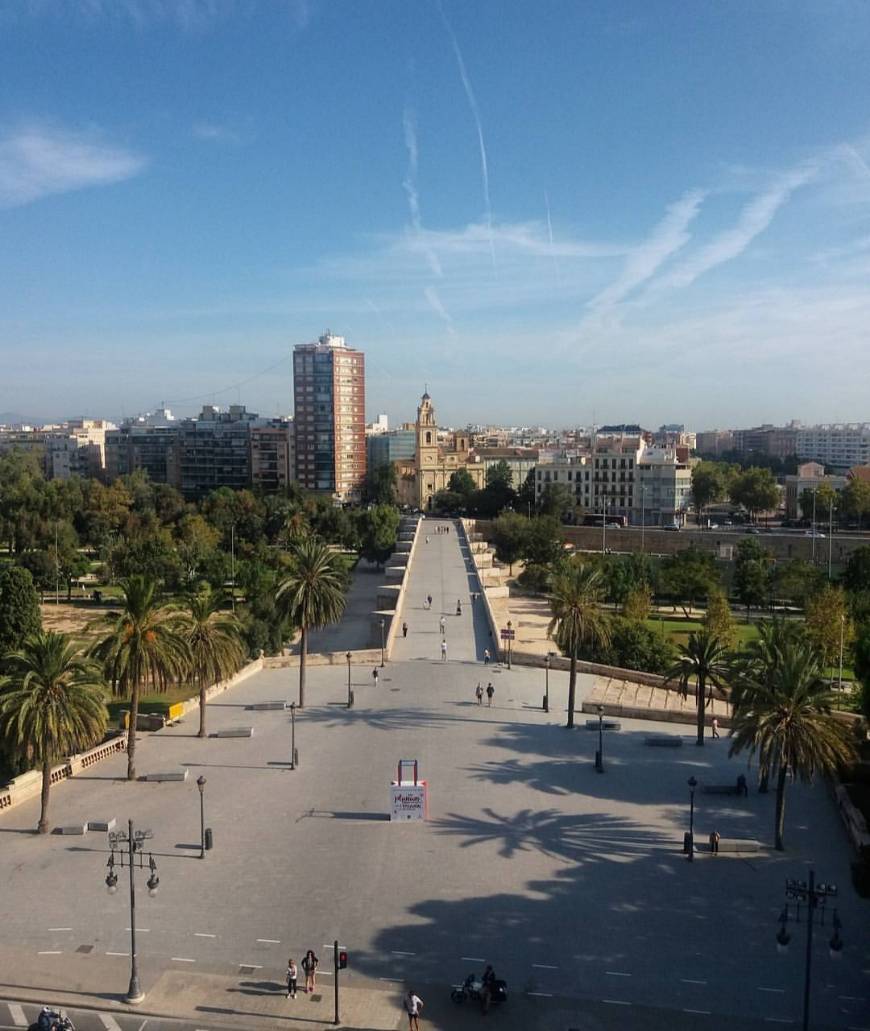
{"x":73,"y":448}
{"x":810,"y":476}
{"x":391,"y":446}
{"x":144,"y":442}
{"x":273,"y":454}
{"x":840,"y":445}
{"x":329,"y":399}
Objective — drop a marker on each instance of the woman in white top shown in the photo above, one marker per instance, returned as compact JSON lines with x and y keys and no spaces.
{"x":413,"y":1007}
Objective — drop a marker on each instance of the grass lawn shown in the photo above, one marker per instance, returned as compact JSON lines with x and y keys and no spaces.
{"x":150,"y":702}
{"x":678,"y":630}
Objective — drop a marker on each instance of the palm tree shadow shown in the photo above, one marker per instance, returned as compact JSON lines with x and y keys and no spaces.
{"x":579,"y":838}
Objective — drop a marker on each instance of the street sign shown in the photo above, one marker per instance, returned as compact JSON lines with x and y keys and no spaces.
{"x":508,"y":635}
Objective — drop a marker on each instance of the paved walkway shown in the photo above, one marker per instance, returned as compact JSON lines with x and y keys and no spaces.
{"x":442,"y":568}
{"x":355,"y":631}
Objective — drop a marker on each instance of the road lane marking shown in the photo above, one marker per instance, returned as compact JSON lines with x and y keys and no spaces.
{"x":396,"y":952}
{"x":544,"y":966}
{"x":139,"y":930}
{"x":181,"y":959}
{"x":472,"y":959}
{"x":392,"y":980}
{"x":109,"y":1022}
{"x":270,"y":941}
{"x":17,"y":1013}
{"x":117,"y":953}
{"x":703,"y":1013}
{"x":616,"y":973}
{"x":65,"y":928}
{"x":616,"y":1002}
{"x":252,"y":966}
{"x":779,"y":991}
{"x":541,"y":995}
{"x":142,"y":1025}
{"x":50,"y":952}
{"x":201,"y":934}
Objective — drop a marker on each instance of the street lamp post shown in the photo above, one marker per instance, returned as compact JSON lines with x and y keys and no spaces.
{"x":599,"y":755}
{"x":642,"y":516}
{"x":509,"y":642}
{"x":547,"y":682}
{"x":813,"y":529}
{"x":690,"y":843}
{"x":200,"y":783}
{"x":294,"y":755}
{"x":815,"y":896}
{"x":603,"y":524}
{"x":348,"y":656}
{"x":132,"y":842}
{"x":830,"y":533}
{"x":383,"y":624}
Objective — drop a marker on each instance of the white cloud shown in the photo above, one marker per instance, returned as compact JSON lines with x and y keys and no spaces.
{"x":38,"y":160}
{"x":211,"y":132}
{"x":434,"y":301}
{"x":754,"y":218}
{"x":643,"y":261}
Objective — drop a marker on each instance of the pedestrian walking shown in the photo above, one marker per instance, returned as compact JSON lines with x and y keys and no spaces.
{"x":443,"y":651}
{"x":458,"y":607}
{"x":309,"y":967}
{"x":291,"y":978}
{"x":428,"y":601}
{"x":742,"y":786}
{"x":442,"y":623}
{"x":413,"y":1007}
{"x":486,"y":656}
{"x":404,"y":630}
{"x":714,"y":726}
{"x":490,"y":691}
{"x":375,"y":675}
{"x":478,"y":694}
{"x":714,"y":842}
{"x":427,"y":540}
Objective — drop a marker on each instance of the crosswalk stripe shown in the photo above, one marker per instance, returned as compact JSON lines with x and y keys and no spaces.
{"x":109,"y":1022}
{"x":17,"y":1014}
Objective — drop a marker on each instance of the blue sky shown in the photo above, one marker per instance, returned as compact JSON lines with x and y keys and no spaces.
{"x":549,"y":211}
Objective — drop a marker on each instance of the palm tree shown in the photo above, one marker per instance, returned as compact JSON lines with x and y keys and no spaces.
{"x":785,"y":718}
{"x":703,"y":659}
{"x":52,"y":704}
{"x":143,"y":645}
{"x":577,"y":621}
{"x":214,"y":640}
{"x":312,"y":595}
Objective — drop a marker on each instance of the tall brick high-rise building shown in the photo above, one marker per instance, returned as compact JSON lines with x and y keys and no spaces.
{"x":329,"y":394}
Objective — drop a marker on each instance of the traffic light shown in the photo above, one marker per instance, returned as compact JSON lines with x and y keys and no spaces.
{"x":342,"y":959}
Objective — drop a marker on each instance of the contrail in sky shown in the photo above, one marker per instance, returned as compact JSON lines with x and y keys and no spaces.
{"x":409,"y":124}
{"x":475,"y":112}
{"x":550,"y":237}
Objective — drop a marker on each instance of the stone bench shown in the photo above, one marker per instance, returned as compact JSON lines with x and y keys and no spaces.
{"x":74,"y":828}
{"x":236,"y":732}
{"x":731,"y":845}
{"x":664,"y":741}
{"x":170,"y":775}
{"x":605,"y":724}
{"x":102,"y":825}
{"x":267,"y":706}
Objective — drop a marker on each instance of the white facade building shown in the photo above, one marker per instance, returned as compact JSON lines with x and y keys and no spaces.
{"x":841,"y":445}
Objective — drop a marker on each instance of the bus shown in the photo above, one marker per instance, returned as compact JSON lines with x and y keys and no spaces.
{"x":610,"y":520}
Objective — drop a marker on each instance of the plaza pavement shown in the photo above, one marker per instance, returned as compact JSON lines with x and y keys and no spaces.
{"x":571,"y":883}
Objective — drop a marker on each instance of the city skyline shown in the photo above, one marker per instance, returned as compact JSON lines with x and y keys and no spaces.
{"x":582,"y":216}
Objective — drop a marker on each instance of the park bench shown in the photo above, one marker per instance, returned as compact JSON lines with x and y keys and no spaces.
{"x":102,"y":825}
{"x":169,"y":775}
{"x":663,"y":741}
{"x":75,"y":828}
{"x":606,"y":725}
{"x":267,"y":706}
{"x":236,"y":732}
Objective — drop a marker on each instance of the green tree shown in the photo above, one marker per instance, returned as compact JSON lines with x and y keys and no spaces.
{"x":312,"y":595}
{"x":855,"y":499}
{"x":19,"y":608}
{"x":525,"y":500}
{"x":702,"y":660}
{"x":197,"y":547}
{"x":509,"y":534}
{"x":497,"y":495}
{"x":500,"y":475}
{"x":828,"y":623}
{"x":380,"y":484}
{"x":756,"y":490}
{"x":634,"y":645}
{"x":637,"y":604}
{"x":577,"y":620}
{"x":688,"y":576}
{"x":142,"y":646}
{"x":784,"y":717}
{"x":861,"y":659}
{"x":544,"y":538}
{"x":461,"y":483}
{"x":214,"y":642}
{"x":52,"y":704}
{"x":379,"y":532}
{"x":718,"y":619}
{"x":557,"y":500}
{"x":709,"y":484}
{"x":449,"y":502}
{"x":856,"y":576}
{"x":796,"y":581}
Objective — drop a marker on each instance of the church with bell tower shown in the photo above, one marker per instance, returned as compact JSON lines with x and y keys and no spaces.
{"x":421,"y":478}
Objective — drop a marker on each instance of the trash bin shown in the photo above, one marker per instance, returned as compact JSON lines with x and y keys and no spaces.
{"x":687,"y":843}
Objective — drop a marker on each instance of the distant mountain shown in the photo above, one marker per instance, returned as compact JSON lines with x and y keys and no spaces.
{"x":14,"y":419}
